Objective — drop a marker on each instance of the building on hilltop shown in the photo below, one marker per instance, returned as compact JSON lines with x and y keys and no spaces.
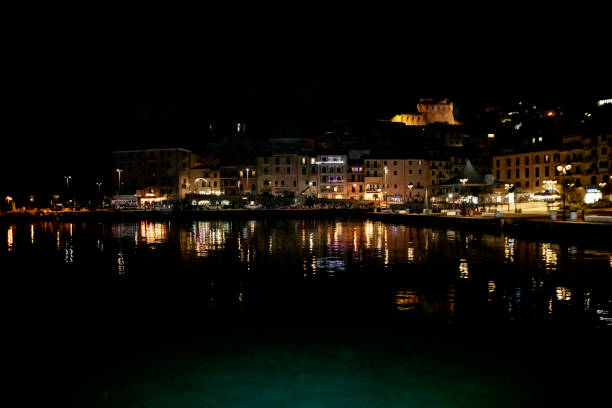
{"x":429,"y":111}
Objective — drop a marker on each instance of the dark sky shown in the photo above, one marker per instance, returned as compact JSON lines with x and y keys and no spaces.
{"x":80,"y":82}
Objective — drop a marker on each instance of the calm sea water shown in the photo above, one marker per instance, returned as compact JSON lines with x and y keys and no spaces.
{"x":355,"y":313}
{"x":166,"y":271}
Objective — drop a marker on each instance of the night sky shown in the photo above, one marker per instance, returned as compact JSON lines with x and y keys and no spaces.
{"x":79,"y":83}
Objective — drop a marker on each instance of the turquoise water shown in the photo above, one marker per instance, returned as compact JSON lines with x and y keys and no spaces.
{"x":303,"y":313}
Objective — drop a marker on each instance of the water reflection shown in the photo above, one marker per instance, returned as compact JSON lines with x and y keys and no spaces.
{"x":509,"y":249}
{"x":464,"y":272}
{"x":10,"y":239}
{"x":424,"y":270}
{"x":120,"y":263}
{"x":549,"y":256}
{"x":563,"y":293}
{"x":406,"y":300}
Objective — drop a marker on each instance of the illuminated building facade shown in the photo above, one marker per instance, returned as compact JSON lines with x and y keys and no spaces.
{"x":332,"y":171}
{"x":429,"y":111}
{"x":355,"y":179}
{"x":527,"y":171}
{"x":247,"y":179}
{"x":307,"y":176}
{"x":396,"y":179}
{"x":153,"y":174}
{"x":205,"y":180}
{"x":277,"y":175}
{"x":589,"y":157}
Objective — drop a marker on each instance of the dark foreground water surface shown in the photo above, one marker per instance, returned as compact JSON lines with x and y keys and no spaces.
{"x":301,"y":313}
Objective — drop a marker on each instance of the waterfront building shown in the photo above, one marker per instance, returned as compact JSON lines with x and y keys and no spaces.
{"x":588,"y":156}
{"x":277,"y":175}
{"x":229,"y":177}
{"x":153,"y":174}
{"x":205,"y":180}
{"x":247,"y":179}
{"x":527,"y":171}
{"x":332,"y":172}
{"x":355,"y":180}
{"x":307,"y":177}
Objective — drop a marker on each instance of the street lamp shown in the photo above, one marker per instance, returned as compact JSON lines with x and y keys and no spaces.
{"x":67,"y":180}
{"x":119,"y":189}
{"x":410,"y":189}
{"x":601,"y":187}
{"x":508,"y":187}
{"x":247,"y":183}
{"x":463,"y":181}
{"x":99,"y":184}
{"x":8,"y":202}
{"x":385,"y":193}
{"x":563,"y":171}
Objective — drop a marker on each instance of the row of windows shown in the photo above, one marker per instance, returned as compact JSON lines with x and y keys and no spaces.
{"x":576,"y":157}
{"x":375,"y":173}
{"x":159,"y":153}
{"x":277,"y":160}
{"x":331,"y":169}
{"x":282,"y":183}
{"x":518,"y":172}
{"x":375,"y":163}
{"x":330,"y":179}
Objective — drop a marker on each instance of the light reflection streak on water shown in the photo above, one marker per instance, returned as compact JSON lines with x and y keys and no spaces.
{"x":549,"y":256}
{"x":374,"y":246}
{"x":31,"y":233}
{"x":464,"y":272}
{"x":120,"y":263}
{"x":206,"y":237}
{"x":69,"y":252}
{"x":153,"y":232}
{"x":410,"y":254}
{"x":406,"y":300}
{"x":10,"y":238}
{"x":509,"y":249}
{"x":563,"y":293}
{"x":491,"y":286}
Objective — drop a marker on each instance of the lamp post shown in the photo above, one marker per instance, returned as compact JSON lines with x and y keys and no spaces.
{"x":119,"y":171}
{"x":9,"y":199}
{"x":463,"y":181}
{"x":410,"y":186}
{"x":601,"y":187}
{"x":67,"y":180}
{"x":385,"y":192}
{"x":99,"y":184}
{"x":247,"y":183}
{"x":508,"y":187}
{"x":563,"y":171}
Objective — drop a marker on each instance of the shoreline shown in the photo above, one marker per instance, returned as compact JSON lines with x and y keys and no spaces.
{"x":538,"y":227}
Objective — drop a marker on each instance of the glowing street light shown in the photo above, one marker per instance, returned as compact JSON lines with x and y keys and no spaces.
{"x":9,"y":199}
{"x":119,"y":189}
{"x":410,"y":189}
{"x":564,"y":171}
{"x":385,"y":193}
{"x":601,"y":186}
{"x":508,"y":187}
{"x":67,"y":180}
{"x":247,"y":183}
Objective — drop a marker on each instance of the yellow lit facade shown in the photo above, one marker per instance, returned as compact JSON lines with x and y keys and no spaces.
{"x":429,"y":111}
